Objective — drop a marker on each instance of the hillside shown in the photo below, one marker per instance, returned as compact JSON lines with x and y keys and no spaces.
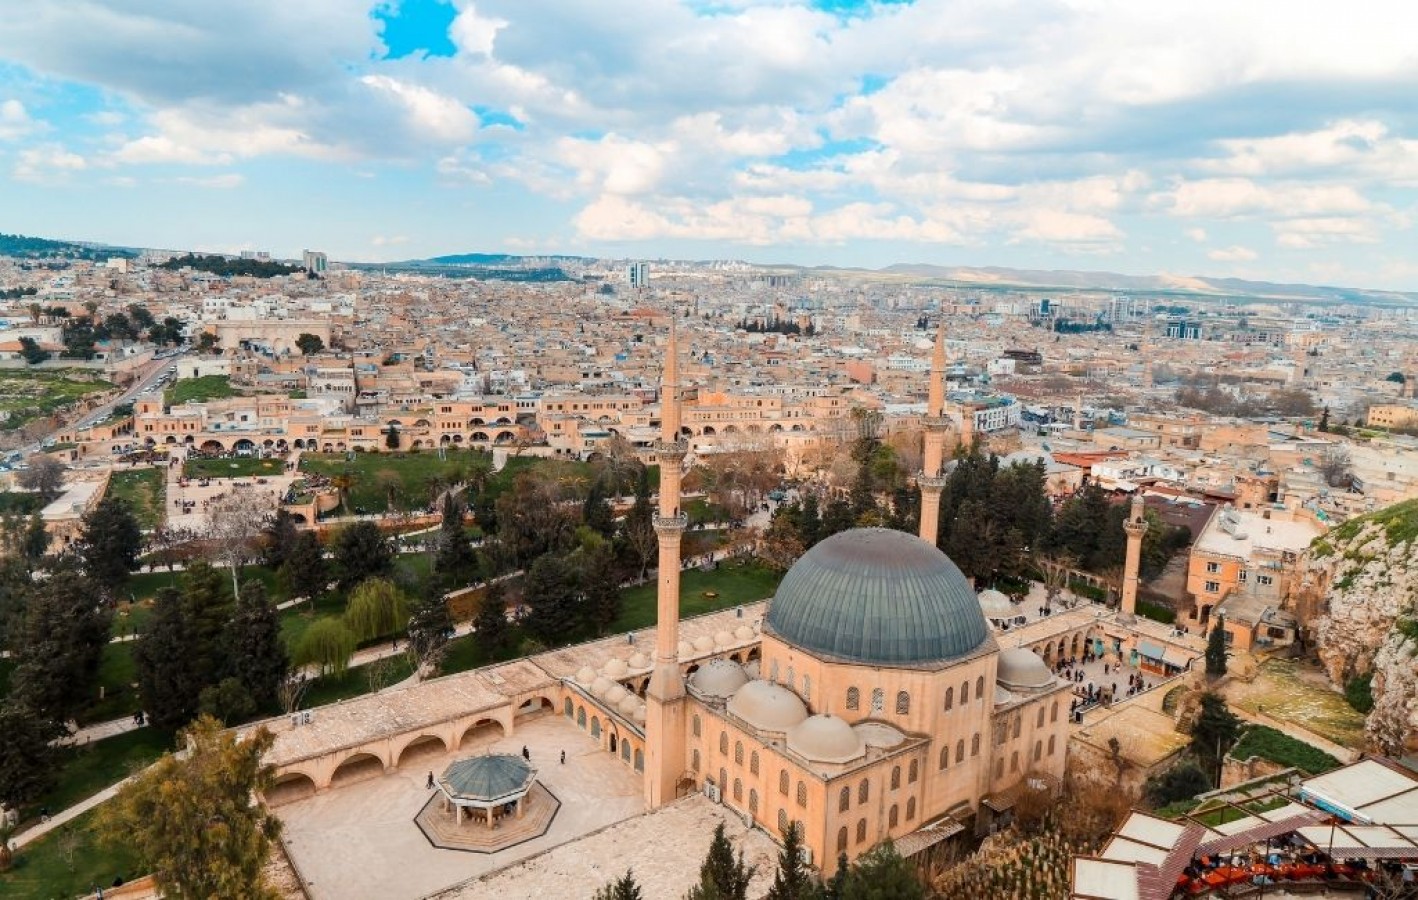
{"x":1370,"y":572}
{"x":24,"y":247}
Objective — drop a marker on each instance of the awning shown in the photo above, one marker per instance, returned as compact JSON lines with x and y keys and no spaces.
{"x":1176,"y":656}
{"x":1151,"y":651}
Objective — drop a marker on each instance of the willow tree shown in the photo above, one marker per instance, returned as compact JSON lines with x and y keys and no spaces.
{"x":327,"y":643}
{"x":376,"y":608}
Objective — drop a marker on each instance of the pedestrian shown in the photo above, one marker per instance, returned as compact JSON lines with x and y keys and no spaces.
{"x":430,"y":781}
{"x":526,"y":754}
{"x":563,"y":757}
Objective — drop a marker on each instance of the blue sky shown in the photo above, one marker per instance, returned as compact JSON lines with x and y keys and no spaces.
{"x":1263,"y":139}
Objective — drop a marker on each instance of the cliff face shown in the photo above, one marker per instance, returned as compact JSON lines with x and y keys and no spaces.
{"x":1368,"y":571}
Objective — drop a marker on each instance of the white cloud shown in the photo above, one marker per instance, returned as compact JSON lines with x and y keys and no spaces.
{"x":1197,"y":234}
{"x":1235,"y":253}
{"x":473,"y":33}
{"x":227,"y":181}
{"x":15,"y":121}
{"x":50,"y":163}
{"x":380,"y":240}
{"x":432,"y":113}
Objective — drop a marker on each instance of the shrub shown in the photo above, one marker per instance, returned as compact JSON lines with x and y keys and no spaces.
{"x":1359,"y":692}
{"x":1280,"y":748}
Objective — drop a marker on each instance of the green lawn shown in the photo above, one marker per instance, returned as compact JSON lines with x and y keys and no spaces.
{"x":85,"y":770}
{"x":67,"y":862}
{"x":208,"y":387}
{"x":28,"y":395}
{"x":19,"y":503}
{"x":414,"y":470}
{"x":1278,"y":747}
{"x":145,"y":491}
{"x":117,"y":674}
{"x":297,"y":619}
{"x":239,"y":467}
{"x":355,"y":682}
{"x":734,"y":583}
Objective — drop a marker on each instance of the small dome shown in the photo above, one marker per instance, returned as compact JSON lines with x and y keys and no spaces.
{"x":767,"y":706}
{"x":879,"y":734}
{"x":718,"y":678}
{"x":1002,"y":696}
{"x":704,"y":644}
{"x":639,"y":715}
{"x":751,"y":668}
{"x":585,"y":675}
{"x":723,"y":638}
{"x":638,"y":661}
{"x":1020,"y":668}
{"x":616,"y":694}
{"x":628,"y":705}
{"x":685,"y":650}
{"x":995,"y":605}
{"x":615,"y":667}
{"x":744,"y":633}
{"x":601,"y":685}
{"x":825,"y":738}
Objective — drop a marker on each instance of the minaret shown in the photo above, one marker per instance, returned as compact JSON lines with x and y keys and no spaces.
{"x":664,"y":698}
{"x":931,"y":479}
{"x":1078,"y":413}
{"x":1136,"y":527}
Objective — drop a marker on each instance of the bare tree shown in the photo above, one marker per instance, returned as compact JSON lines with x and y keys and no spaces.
{"x":45,"y":476}
{"x":1336,"y":465}
{"x":235,"y":524}
{"x":389,"y":481}
{"x":292,"y":691}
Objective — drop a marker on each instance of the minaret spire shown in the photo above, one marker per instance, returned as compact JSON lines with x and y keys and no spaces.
{"x":664,"y":697}
{"x":931,"y":480}
{"x":1135,"y":526}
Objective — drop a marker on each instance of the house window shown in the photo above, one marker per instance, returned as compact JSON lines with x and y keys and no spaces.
{"x":964,"y":692}
{"x":802,"y":794}
{"x":694,"y":761}
{"x":893,"y":817}
{"x":807,"y":687}
{"x":863,"y":791}
{"x":949,"y":699}
{"x":913,"y":773}
{"x":1038,"y":750}
{"x":782,"y":820}
{"x":861,"y":831}
{"x":974,"y":745}
{"x":724,"y":742}
{"x":903,"y":703}
{"x":753,"y":802}
{"x":753,"y":763}
{"x":1242,"y":575}
{"x":945,"y":757}
{"x":842,"y":839}
{"x":980,"y":688}
{"x":960,"y":750}
{"x":738,"y":791}
{"x":1054,"y":712}
{"x":844,"y":799}
{"x":1264,"y":580}
{"x":1040,"y":718}
{"x":854,"y":698}
{"x":1017,"y":722}
{"x":895,"y":777}
{"x":1212,"y":568}
{"x":1051,"y":745}
{"x":1213,"y":587}
{"x":738,"y":753}
{"x":1014,"y":761}
{"x":783,"y":782}
{"x":878,"y":700}
{"x":696,"y":725}
{"x":911,"y":809}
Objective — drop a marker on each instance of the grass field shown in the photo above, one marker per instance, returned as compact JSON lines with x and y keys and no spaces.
{"x":145,"y":491}
{"x":240,"y":467}
{"x":67,"y":862}
{"x":88,"y":769}
{"x":1278,"y":747}
{"x":414,"y":471}
{"x":19,"y":503}
{"x":116,"y":676}
{"x":1286,"y":691}
{"x":733,"y":583}
{"x":356,"y":681}
{"x":28,"y":395}
{"x":208,"y":387}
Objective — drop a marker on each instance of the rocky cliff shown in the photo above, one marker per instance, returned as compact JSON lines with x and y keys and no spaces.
{"x":1367,"y":573}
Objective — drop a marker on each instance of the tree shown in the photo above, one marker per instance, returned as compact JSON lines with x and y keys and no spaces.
{"x":391,"y":437}
{"x":623,"y":888}
{"x":882,"y":874}
{"x":455,"y":560}
{"x":553,"y":599}
{"x":832,"y":890}
{"x":1182,"y":781}
{"x":490,"y":624}
{"x":27,"y":756}
{"x":1336,"y":465}
{"x":192,"y":822}
{"x":207,"y":609}
{"x":600,"y":580}
{"x":1216,"y":649}
{"x":328,"y":644}
{"x":168,"y":682}
{"x":33,"y":353}
{"x":637,"y":531}
{"x":45,"y":476}
{"x":309,"y":344}
{"x":597,"y":512}
{"x":34,"y":543}
{"x":306,"y":573}
{"x":1215,"y":730}
{"x":375,"y":609}
{"x":258,"y":654}
{"x":793,"y":881}
{"x":278,"y":538}
{"x":59,"y":645}
{"x":109,"y":543}
{"x":206,"y":342}
{"x":392,"y":484}
{"x":429,"y":628}
{"x":722,"y":876}
{"x":361,"y":552}
{"x":236,"y":524}
{"x":226,"y":701}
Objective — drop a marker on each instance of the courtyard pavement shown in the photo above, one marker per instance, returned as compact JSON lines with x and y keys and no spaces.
{"x":360,"y":840}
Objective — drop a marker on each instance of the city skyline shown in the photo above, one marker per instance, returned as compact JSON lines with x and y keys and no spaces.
{"x":1271,"y":142}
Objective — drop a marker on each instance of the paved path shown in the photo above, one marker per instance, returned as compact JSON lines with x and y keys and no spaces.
{"x":78,"y":809}
{"x":99,"y":730}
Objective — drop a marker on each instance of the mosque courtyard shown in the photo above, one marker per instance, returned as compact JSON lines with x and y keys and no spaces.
{"x":360,"y":840}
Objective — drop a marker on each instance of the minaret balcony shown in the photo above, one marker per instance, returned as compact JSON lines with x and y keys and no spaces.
{"x":938,"y":423}
{"x":675,"y":524}
{"x":930,"y":482}
{"x":671,"y":449}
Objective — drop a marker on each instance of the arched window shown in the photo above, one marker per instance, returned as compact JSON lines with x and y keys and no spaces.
{"x":863,"y":791}
{"x":980,"y":688}
{"x":723,"y":779}
{"x":802,"y":794}
{"x":964,"y":692}
{"x":903,"y":703}
{"x":782,"y":820}
{"x":975,"y":745}
{"x":878,"y":700}
{"x":753,"y":763}
{"x":738,"y":753}
{"x":789,"y":680}
{"x":945,"y":757}
{"x":595,"y":727}
{"x":625,"y":750}
{"x":1051,"y":745}
{"x":949,"y":699}
{"x":753,"y":801}
{"x":570,"y":708}
{"x":738,"y":790}
{"x":581,"y":716}
{"x":913,"y":773}
{"x":895,"y":777}
{"x":854,"y":698}
{"x":1014,"y":761}
{"x":639,"y":760}
{"x":696,"y":726}
{"x":960,"y":750}
{"x":842,"y":839}
{"x":1038,"y":750}
{"x":1054,"y":712}
{"x":1039,"y":720}
{"x":844,"y":800}
{"x":1018,"y":720}
{"x":999,"y":768}
{"x":783,"y":782}
{"x":694,"y":761}
{"x":911,"y":809}
{"x":861,"y":831}
{"x":894,"y":817}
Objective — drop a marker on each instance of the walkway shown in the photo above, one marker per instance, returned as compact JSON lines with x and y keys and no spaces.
{"x":78,"y":809}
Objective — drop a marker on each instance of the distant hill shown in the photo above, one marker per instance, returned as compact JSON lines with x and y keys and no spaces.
{"x":227,"y":266}
{"x":25,"y":247}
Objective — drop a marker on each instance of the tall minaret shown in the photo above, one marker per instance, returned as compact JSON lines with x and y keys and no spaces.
{"x":1136,"y":527}
{"x":931,"y":479}
{"x":664,"y":698}
{"x":1078,"y":413}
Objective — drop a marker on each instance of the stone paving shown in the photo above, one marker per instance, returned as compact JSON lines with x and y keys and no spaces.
{"x":361,"y":840}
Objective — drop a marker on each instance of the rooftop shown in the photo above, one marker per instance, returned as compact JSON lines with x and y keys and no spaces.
{"x":1240,"y":532}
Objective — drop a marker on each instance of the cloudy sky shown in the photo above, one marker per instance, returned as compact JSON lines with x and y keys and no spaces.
{"x":1252,"y":138}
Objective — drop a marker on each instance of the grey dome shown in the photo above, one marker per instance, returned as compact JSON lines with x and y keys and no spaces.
{"x":767,"y":706}
{"x":487,"y":777}
{"x":996,"y":605}
{"x":877,"y":596}
{"x":718,"y":678}
{"x":1020,"y":668}
{"x":827,"y":739}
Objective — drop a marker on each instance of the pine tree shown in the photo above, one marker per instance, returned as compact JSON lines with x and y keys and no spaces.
{"x":623,"y":888}
{"x":1216,"y":649}
{"x":361,"y":552}
{"x":278,"y":539}
{"x":207,"y":608}
{"x":597,"y":512}
{"x":169,"y":682}
{"x":1215,"y":730}
{"x":306,"y":572}
{"x":35,"y":541}
{"x":600,"y":578}
{"x":455,"y":562}
{"x":59,"y":645}
{"x":490,"y":624}
{"x":258,"y":654}
{"x":555,"y":604}
{"x":27,"y":756}
{"x":882,"y":874}
{"x":832,"y":890}
{"x":722,"y":876}
{"x":109,"y":543}
{"x":810,"y":529}
{"x":793,"y":881}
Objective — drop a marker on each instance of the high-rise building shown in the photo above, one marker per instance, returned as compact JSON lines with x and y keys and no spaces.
{"x":315,"y":262}
{"x":637,"y":274}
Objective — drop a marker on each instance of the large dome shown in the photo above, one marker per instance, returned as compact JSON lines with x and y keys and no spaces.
{"x":876,"y":596}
